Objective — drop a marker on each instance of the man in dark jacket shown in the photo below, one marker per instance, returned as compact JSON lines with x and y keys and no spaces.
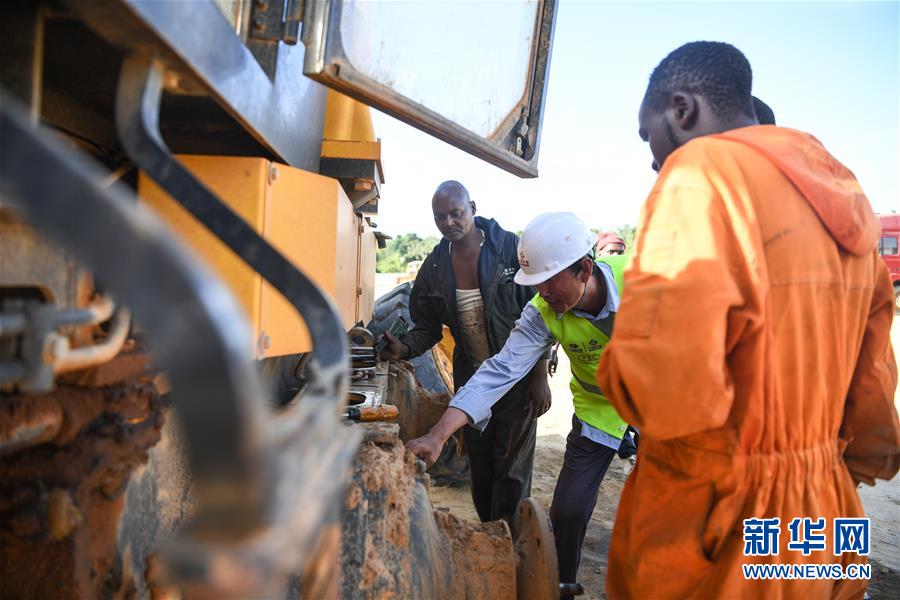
{"x":467,"y":284}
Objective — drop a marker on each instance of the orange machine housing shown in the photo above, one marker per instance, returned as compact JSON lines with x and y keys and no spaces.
{"x":306,"y":216}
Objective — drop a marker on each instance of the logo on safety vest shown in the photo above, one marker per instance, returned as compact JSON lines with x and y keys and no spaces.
{"x":592,"y":347}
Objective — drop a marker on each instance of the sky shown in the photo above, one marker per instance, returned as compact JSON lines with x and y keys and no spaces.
{"x":829,"y":68}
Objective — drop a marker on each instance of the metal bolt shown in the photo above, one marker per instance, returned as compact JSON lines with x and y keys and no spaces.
{"x":63,"y":517}
{"x":519,"y":144}
{"x":273,"y":173}
{"x":263,"y":343}
{"x":363,"y":185}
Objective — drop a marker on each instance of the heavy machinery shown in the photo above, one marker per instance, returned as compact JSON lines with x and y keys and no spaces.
{"x":186,"y":254}
{"x":890,"y":252}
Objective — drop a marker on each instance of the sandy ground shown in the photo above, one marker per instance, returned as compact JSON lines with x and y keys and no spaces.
{"x":882,"y":502}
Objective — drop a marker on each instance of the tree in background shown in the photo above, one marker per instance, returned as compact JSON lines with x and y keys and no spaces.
{"x":626,"y":232}
{"x":402,"y":250}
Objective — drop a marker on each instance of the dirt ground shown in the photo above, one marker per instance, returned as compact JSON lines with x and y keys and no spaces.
{"x":882,"y":502}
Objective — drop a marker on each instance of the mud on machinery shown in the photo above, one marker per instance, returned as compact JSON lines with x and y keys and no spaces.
{"x":186,"y":241}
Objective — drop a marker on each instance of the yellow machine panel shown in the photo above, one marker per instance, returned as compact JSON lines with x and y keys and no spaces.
{"x":350,"y":149}
{"x":241,"y":182}
{"x":347,"y":119}
{"x":368,"y":246}
{"x":310,"y":220}
{"x":306,"y":216}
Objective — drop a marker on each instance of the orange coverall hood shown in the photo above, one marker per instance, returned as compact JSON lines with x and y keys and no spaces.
{"x":830,"y":188}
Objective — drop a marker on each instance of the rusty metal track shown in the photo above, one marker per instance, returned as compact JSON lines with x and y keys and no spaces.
{"x":219,"y":396}
{"x":272,"y":476}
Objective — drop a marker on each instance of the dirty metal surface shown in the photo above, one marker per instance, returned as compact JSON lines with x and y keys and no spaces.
{"x":132,"y":363}
{"x":395,"y":545}
{"x":374,"y":386}
{"x":253,"y":472}
{"x":41,"y":345}
{"x":157,"y":503}
{"x":62,"y":496}
{"x":282,"y":110}
{"x":419,"y":410}
{"x":208,"y":367}
{"x":538,"y":569}
{"x":21,"y":37}
{"x":59,"y":278}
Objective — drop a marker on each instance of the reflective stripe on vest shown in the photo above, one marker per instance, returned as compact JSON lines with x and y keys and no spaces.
{"x":583,"y":343}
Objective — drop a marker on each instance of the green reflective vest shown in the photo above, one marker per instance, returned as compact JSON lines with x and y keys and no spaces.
{"x":583,"y":343}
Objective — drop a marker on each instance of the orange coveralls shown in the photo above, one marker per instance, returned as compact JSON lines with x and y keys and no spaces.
{"x":752,"y":351}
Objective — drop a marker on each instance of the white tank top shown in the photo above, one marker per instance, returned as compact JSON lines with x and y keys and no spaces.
{"x":470,"y":307}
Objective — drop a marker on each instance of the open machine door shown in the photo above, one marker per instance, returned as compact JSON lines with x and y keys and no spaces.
{"x":474,"y":75}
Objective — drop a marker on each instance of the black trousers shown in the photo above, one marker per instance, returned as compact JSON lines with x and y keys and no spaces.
{"x":500,"y":462}
{"x":584,"y":466}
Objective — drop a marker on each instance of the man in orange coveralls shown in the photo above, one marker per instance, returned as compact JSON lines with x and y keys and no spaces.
{"x":752,"y":348}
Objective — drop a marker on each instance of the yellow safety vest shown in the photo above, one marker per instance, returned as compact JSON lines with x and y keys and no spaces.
{"x":583,"y":343}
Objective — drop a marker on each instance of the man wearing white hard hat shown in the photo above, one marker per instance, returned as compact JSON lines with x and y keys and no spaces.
{"x":576,"y":304}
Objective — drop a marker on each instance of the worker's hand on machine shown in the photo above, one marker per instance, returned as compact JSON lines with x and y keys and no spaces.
{"x":427,"y":448}
{"x":395,"y":349}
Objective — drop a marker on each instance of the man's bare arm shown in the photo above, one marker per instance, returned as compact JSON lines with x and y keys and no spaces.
{"x":429,"y":446}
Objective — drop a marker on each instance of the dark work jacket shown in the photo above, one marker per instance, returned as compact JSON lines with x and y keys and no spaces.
{"x":432,"y":304}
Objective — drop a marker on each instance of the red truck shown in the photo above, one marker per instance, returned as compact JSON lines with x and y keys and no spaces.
{"x":888,"y":249}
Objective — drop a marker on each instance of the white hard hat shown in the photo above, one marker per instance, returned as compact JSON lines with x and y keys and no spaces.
{"x":549,"y":244}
